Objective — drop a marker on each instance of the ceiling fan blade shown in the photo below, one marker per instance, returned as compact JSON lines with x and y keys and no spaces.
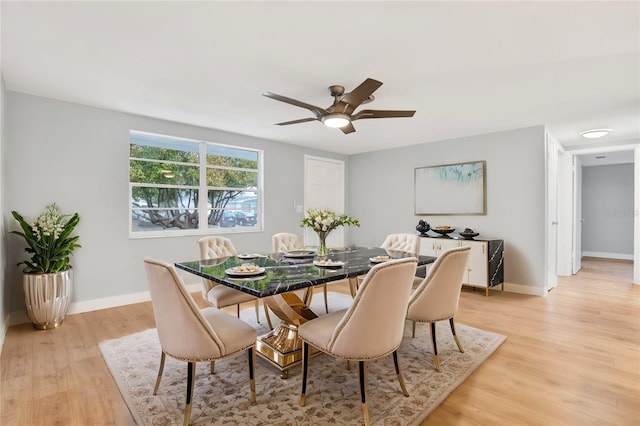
{"x":302,"y":120}
{"x":348,"y":129}
{"x":317,"y":111}
{"x":353,"y":99}
{"x":376,"y":113}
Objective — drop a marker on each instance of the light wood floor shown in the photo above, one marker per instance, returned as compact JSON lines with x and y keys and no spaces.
{"x":572,"y":358}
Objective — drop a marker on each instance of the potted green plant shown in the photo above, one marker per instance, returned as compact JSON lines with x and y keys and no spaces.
{"x":48,"y":276}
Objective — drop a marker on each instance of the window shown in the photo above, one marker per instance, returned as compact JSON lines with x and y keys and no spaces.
{"x":174,"y":182}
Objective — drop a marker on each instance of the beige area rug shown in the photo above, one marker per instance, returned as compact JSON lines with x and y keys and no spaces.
{"x":333,"y":394}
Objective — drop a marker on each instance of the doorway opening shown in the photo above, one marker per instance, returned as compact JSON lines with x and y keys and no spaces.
{"x":603,"y":215}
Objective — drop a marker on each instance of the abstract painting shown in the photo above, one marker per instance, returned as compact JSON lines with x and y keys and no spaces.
{"x":450,"y":189}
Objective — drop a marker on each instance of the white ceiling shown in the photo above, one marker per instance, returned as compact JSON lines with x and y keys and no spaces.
{"x":466,"y":67}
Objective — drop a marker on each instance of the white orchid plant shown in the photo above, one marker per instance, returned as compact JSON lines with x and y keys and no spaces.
{"x":49,"y":240}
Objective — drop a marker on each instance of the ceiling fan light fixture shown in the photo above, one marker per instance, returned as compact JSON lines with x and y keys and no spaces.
{"x":336,"y":120}
{"x":595,"y":133}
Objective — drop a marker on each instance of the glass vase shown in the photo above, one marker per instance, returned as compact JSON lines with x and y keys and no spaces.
{"x":322,"y":245}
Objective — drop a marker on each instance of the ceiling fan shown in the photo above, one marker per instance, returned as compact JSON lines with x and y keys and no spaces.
{"x":341,"y":113}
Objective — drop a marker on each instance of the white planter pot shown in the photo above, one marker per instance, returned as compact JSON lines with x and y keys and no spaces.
{"x":47,"y":297}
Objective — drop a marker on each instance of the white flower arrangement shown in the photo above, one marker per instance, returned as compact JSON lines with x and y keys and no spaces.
{"x":324,"y":221}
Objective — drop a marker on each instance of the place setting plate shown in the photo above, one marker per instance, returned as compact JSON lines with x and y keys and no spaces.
{"x":328,"y":263}
{"x":250,"y":256}
{"x":244,"y":271}
{"x":379,"y":259}
{"x":299,"y":253}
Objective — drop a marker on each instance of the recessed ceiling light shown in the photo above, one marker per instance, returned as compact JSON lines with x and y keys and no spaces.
{"x":595,"y":133}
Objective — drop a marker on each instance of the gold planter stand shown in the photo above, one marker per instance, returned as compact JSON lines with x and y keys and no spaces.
{"x":47,"y":297}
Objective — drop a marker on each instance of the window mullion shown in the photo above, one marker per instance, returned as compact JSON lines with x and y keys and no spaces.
{"x":203,"y":197}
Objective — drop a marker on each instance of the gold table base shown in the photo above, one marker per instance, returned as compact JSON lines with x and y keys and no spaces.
{"x":282,"y":347}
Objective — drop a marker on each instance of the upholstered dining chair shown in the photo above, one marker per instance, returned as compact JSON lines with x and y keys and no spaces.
{"x":220,"y":296}
{"x":437,"y":296}
{"x":409,"y":243}
{"x":189,"y":334}
{"x":284,"y":241}
{"x":370,"y":329}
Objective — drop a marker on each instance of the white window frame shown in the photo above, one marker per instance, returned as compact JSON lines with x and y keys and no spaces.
{"x":203,"y":227}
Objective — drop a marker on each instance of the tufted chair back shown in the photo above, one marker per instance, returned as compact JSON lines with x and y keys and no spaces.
{"x":215,"y":247}
{"x":284,"y":241}
{"x":409,"y":243}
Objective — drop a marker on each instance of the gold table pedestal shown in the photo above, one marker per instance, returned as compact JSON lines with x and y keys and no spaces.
{"x":282,"y":347}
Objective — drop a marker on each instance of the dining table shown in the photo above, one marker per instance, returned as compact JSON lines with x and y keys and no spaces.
{"x":285,"y":282}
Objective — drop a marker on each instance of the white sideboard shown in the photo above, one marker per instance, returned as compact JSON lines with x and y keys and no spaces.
{"x":485,"y":268}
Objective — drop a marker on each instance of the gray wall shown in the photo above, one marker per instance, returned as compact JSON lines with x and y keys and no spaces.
{"x":78,"y":157}
{"x":607,"y":209}
{"x":380,"y":194}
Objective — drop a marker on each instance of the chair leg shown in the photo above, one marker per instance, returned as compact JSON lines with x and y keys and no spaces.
{"x":326,"y":303}
{"x":363,"y":392}
{"x":266,"y":314}
{"x":436,"y":358}
{"x":413,"y":329}
{"x":213,"y":367}
{"x":257,"y":305}
{"x":155,"y":388}
{"x":455,"y":336}
{"x":238,"y":310}
{"x":305,"y":366}
{"x":191,"y":372}
{"x":252,"y":376}
{"x":398,"y":373}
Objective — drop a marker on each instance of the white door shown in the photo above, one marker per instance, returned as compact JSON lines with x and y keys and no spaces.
{"x":552,"y":213}
{"x":324,"y":189}
{"x":577,"y":214}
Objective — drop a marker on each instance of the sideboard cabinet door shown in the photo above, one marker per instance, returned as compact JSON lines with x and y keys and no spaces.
{"x":477,"y":266}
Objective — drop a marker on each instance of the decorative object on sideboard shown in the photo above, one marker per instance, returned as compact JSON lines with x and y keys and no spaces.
{"x":423,"y":227}
{"x":47,"y":278}
{"x":468,"y":234}
{"x":443,"y":230}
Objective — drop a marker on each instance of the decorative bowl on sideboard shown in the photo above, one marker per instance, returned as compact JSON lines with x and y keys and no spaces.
{"x":468,"y":235}
{"x":443,"y":231}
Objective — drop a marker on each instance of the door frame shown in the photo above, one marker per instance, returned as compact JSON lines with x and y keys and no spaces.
{"x":636,"y":222}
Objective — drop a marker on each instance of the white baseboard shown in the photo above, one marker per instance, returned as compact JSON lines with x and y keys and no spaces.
{"x":20,"y":317}
{"x":619,"y":256}
{"x":525,"y":289}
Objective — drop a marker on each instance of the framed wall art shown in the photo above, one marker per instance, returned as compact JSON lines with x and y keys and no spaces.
{"x":451,"y":189}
